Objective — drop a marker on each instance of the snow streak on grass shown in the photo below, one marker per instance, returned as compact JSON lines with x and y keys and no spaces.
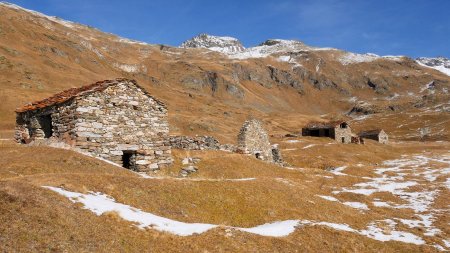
{"x":99,"y":204}
{"x":417,"y":182}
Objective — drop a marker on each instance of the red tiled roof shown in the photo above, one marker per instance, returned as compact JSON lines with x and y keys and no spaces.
{"x":330,"y":124}
{"x":74,"y":92}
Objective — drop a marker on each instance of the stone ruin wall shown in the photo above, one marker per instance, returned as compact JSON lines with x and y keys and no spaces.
{"x":199,"y":143}
{"x":253,"y":139}
{"x":123,"y":118}
{"x":194,"y":143}
{"x":30,"y":128}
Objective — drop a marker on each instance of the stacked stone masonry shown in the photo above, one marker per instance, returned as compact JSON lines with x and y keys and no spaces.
{"x":116,"y":120}
{"x":253,"y":139}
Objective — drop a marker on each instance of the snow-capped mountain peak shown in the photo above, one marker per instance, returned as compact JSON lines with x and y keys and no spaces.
{"x":221,"y":44}
{"x":439,"y":63}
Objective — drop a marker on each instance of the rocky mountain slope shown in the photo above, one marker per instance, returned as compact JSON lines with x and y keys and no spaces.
{"x":440,"y":63}
{"x":212,"y":84}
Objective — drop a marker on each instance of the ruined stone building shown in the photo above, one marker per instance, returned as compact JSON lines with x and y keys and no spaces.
{"x":376,"y":134}
{"x":253,"y":139}
{"x":114,"y":119}
{"x":338,"y":130}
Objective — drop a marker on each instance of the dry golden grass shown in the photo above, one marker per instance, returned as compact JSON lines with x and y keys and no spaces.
{"x":35,"y":219}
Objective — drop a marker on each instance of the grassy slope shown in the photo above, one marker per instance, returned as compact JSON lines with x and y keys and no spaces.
{"x":39,"y":220}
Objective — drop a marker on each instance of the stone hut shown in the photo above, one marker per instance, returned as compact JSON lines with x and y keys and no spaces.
{"x":376,"y":134}
{"x":253,"y":139}
{"x":338,"y":130}
{"x":113,"y":119}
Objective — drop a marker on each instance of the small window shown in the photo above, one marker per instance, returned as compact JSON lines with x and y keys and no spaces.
{"x":344,"y":125}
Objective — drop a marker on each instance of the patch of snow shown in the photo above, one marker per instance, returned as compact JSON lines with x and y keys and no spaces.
{"x":288,"y":59}
{"x":357,"y":205}
{"x":241,"y":179}
{"x":441,"y":64}
{"x":128,"y":41}
{"x":439,"y":247}
{"x":337,"y":226}
{"x":353,"y":58}
{"x":338,"y":171}
{"x":381,"y":204}
{"x":284,"y":58}
{"x":330,"y":198}
{"x":292,"y":141}
{"x":100,"y":203}
{"x":309,"y":146}
{"x":418,"y":192}
{"x":376,"y":233}
{"x":446,"y":242}
{"x":275,"y":229}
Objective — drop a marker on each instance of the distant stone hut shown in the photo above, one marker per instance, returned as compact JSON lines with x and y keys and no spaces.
{"x":253,"y":139}
{"x":377,"y":134}
{"x":113,"y":119}
{"x":338,"y":130}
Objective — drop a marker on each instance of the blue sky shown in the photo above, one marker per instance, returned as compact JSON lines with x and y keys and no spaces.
{"x":386,"y":27}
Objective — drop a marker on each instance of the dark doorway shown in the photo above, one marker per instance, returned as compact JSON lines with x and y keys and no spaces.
{"x":129,"y":159}
{"x":326,"y":132}
{"x":258,"y":155}
{"x":315,"y":133}
{"x":46,"y":125}
{"x":343,"y":139}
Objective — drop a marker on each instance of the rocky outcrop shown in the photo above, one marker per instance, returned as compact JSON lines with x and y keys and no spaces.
{"x":364,"y":108}
{"x":214,"y":82}
{"x":283,"y":77}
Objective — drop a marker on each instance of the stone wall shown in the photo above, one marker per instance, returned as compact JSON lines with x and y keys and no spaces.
{"x":276,"y":153}
{"x":29,"y":125}
{"x":194,"y":143}
{"x":122,"y":118}
{"x":253,"y":139}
